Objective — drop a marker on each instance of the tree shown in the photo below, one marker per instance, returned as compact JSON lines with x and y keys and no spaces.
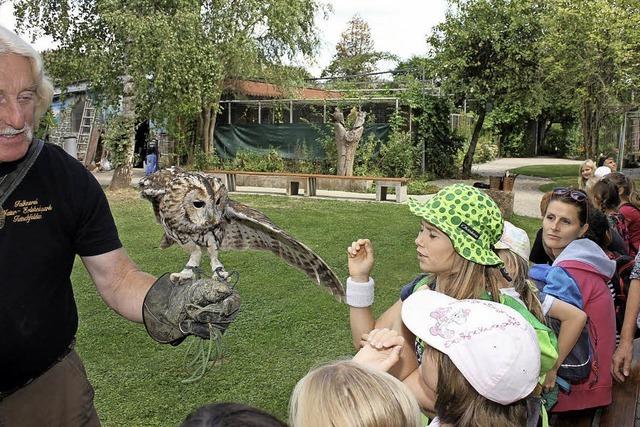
{"x":175,"y":54}
{"x":592,"y":60}
{"x":355,"y":52}
{"x":348,"y":137}
{"x":486,"y":51}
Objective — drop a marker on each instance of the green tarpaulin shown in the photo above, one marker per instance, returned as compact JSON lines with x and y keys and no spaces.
{"x":293,"y":141}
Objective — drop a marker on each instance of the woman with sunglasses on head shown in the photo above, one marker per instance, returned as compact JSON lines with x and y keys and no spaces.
{"x":564,"y":225}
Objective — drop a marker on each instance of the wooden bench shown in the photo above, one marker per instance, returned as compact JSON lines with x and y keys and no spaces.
{"x":309,"y":182}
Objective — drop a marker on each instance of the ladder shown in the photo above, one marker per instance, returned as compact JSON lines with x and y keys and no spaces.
{"x":86,"y":126}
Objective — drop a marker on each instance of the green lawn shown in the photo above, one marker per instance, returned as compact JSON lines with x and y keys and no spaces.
{"x":560,"y":175}
{"x":549,"y":171}
{"x":287,"y":324}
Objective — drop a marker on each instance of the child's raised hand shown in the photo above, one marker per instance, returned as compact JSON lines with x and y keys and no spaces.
{"x":360,"y":260}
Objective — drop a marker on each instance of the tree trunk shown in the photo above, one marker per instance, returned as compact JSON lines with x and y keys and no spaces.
{"x":212,"y":128}
{"x":468,"y":157}
{"x":122,"y":173}
{"x":206,"y":140}
{"x":347,"y":141}
{"x":590,"y":129}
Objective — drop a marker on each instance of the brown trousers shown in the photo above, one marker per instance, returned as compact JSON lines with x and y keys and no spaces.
{"x":61,"y":397}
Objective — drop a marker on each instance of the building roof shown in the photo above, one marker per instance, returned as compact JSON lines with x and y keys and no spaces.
{"x":268,"y":90}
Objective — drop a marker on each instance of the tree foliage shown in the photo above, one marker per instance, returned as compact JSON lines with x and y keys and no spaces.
{"x":177,"y":53}
{"x":486,"y":52}
{"x":592,"y":61}
{"x":526,"y":64}
{"x":355,"y":52}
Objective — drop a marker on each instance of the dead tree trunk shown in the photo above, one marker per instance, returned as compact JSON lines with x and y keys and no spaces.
{"x":347,"y":140}
{"x":122,"y":173}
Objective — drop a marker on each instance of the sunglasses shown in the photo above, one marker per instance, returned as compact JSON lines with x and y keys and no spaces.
{"x":576,"y":195}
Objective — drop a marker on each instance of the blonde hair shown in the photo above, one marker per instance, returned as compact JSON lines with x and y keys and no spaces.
{"x":459,"y":404}
{"x":469,"y":280}
{"x":518,"y":269}
{"x":346,"y":394}
{"x":11,"y":43}
{"x":581,"y":181}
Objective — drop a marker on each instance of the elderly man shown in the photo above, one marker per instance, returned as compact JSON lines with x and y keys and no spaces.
{"x":52,"y":208}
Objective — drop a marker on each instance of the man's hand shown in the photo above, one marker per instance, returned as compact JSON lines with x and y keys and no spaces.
{"x":360,"y":260}
{"x":382,"y":350}
{"x":621,"y":362}
{"x":171,"y":311}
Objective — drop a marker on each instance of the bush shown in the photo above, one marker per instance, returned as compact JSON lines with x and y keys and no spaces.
{"x":203,"y":161}
{"x":118,"y":139}
{"x":252,"y":161}
{"x":365,"y":163}
{"x":421,"y":186}
{"x":398,"y":157}
{"x":565,"y":141}
{"x":434,"y":136}
{"x":486,"y":150}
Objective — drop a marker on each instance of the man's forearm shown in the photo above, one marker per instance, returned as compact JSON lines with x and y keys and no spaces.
{"x":120,"y":282}
{"x":127,"y":296}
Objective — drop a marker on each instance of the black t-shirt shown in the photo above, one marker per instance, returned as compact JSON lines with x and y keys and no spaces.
{"x":58,"y":211}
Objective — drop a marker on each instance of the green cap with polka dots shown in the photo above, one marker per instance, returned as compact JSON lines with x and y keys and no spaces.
{"x":470,"y":218}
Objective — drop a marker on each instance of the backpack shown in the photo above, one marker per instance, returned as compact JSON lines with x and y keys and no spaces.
{"x":555,"y":281}
{"x":619,"y":284}
{"x":577,"y":365}
{"x":547,"y":338}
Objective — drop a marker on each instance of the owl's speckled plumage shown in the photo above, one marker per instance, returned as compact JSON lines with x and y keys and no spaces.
{"x":196,"y":212}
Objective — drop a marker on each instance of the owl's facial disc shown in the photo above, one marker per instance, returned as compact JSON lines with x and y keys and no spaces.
{"x":198,"y":208}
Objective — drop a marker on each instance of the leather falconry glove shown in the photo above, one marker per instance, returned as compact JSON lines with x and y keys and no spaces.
{"x":171,"y":311}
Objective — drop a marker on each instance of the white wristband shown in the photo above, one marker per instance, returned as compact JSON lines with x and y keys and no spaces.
{"x":360,"y":295}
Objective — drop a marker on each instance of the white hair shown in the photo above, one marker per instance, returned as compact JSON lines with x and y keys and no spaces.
{"x":11,"y":43}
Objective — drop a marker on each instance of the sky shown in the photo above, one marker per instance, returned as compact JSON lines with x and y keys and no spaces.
{"x":397,"y":26}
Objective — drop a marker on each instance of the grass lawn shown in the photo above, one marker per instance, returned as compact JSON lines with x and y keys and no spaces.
{"x":549,"y":171}
{"x":560,"y":175}
{"x":287,"y":324}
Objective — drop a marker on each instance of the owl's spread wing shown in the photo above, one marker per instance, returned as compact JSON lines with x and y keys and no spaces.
{"x":247,"y":228}
{"x":154,"y":187}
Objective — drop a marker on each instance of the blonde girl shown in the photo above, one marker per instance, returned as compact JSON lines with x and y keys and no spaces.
{"x":587,"y":168}
{"x":348,"y":394}
{"x":454,"y":247}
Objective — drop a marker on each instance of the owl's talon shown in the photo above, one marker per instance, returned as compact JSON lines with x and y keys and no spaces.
{"x":184,"y":276}
{"x":220,"y":272}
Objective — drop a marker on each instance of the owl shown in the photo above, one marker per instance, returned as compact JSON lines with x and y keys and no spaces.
{"x":196,"y":213}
